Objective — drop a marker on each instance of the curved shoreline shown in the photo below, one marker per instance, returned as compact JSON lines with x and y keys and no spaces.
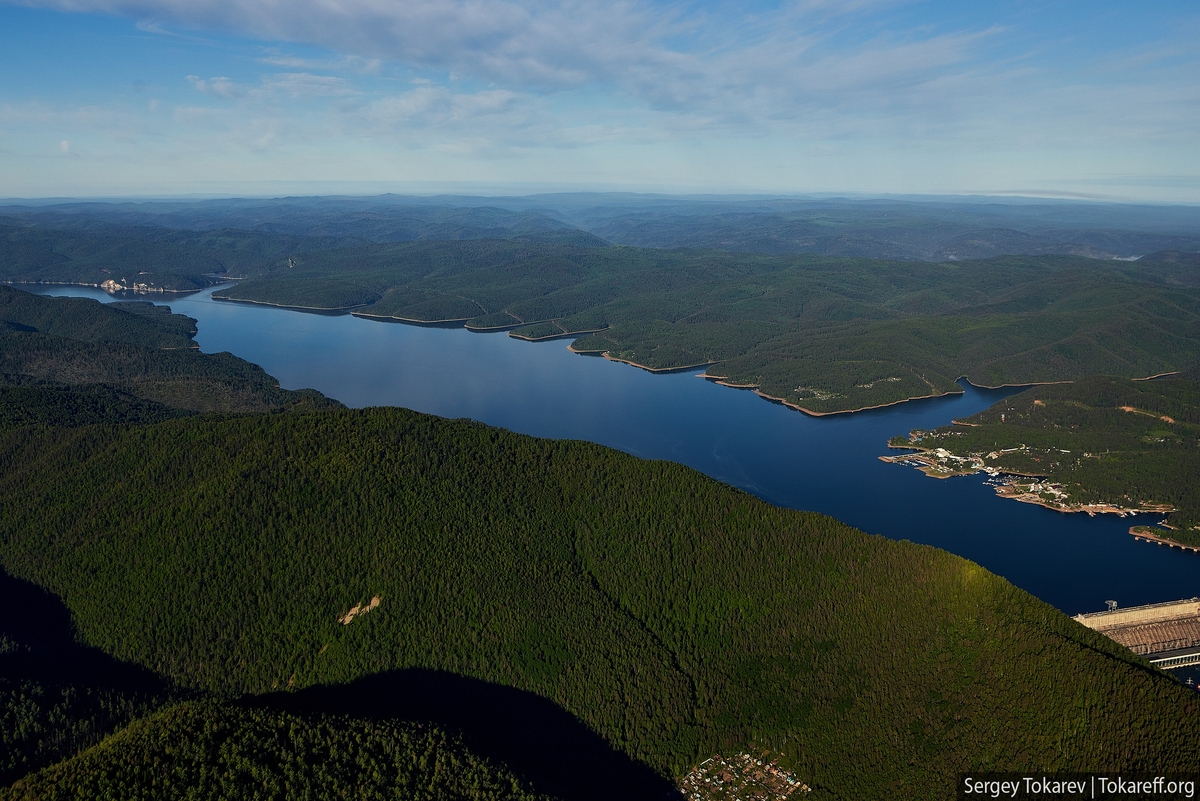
{"x":318,"y":309}
{"x":658,"y":370}
{"x":1019,"y":384}
{"x":493,"y":329}
{"x":1052,"y":383}
{"x":721,"y":380}
{"x":387,"y":318}
{"x":811,"y":413}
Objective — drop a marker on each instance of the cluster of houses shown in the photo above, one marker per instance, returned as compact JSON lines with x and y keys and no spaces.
{"x":740,"y":778}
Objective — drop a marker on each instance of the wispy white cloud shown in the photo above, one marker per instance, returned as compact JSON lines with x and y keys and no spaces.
{"x":289,"y":84}
{"x":304,"y":84}
{"x":652,"y":50}
{"x":365,"y":66}
{"x":217,"y":87}
{"x":817,"y":68}
{"x":153,"y":26}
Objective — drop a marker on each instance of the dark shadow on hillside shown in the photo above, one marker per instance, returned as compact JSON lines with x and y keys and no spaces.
{"x":70,"y":695}
{"x":40,"y":641}
{"x":534,"y":737}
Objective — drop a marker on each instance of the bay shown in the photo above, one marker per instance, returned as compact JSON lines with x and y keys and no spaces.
{"x":828,"y":464}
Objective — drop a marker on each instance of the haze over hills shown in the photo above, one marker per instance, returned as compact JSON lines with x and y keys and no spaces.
{"x":889,"y":228}
{"x":806,"y":329}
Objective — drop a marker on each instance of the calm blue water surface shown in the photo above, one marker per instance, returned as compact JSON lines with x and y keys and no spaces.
{"x":826,"y":464}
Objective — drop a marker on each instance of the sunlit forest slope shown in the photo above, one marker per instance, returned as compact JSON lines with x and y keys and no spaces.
{"x":350,"y":560}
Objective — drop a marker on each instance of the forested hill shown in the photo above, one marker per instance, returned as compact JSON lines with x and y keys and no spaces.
{"x":823,"y":334}
{"x":391,"y":565}
{"x":201,"y":751}
{"x":83,"y":320}
{"x":70,"y":361}
{"x":1102,"y":440}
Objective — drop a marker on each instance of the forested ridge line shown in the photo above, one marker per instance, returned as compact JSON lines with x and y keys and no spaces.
{"x":669,"y":614}
{"x":823,"y":334}
{"x":1100,"y":440}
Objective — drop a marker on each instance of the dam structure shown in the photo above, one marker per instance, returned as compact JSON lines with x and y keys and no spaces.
{"x":1168,"y":634}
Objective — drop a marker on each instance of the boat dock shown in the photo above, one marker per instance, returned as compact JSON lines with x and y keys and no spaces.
{"x":1143,"y":533}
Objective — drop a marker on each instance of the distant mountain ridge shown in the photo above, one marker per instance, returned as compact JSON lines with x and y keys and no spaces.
{"x":909,"y":229}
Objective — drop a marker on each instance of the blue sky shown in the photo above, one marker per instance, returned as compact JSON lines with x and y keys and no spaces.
{"x":1075,"y":99}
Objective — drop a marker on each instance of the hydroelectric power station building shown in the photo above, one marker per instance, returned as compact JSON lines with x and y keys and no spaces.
{"x":1168,"y":634}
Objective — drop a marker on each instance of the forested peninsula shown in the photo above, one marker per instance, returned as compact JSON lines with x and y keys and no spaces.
{"x":1101,"y":444}
{"x":71,"y":361}
{"x":322,"y":600}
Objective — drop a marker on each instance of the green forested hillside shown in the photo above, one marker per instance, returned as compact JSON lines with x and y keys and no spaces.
{"x":821,"y":333}
{"x":51,"y":404}
{"x":1104,"y":440}
{"x":668,"y":614}
{"x":70,"y":361}
{"x":134,"y":323}
{"x":205,"y":750}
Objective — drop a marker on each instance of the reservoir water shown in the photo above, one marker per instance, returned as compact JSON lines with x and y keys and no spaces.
{"x":828,"y":464}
